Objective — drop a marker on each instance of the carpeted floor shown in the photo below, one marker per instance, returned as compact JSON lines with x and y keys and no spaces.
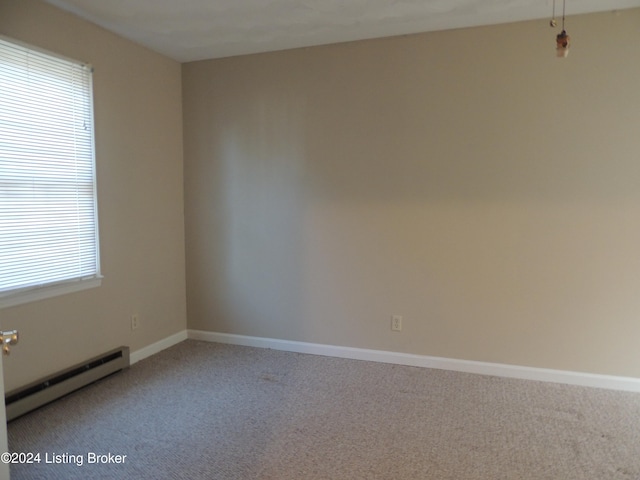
{"x":209,"y":411}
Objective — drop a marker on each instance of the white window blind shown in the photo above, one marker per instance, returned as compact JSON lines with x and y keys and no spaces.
{"x":48,"y":213}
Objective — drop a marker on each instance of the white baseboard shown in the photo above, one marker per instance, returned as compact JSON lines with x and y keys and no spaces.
{"x":157,"y":347}
{"x":628,"y":384}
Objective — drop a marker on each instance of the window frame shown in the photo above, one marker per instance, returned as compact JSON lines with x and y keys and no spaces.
{"x":26,"y":294}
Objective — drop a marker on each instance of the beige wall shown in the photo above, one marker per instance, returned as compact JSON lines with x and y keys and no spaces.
{"x":467,"y":180}
{"x":137,"y":96}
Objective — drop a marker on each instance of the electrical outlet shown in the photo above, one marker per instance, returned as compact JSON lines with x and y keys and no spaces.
{"x":396,"y":323}
{"x":135,"y":321}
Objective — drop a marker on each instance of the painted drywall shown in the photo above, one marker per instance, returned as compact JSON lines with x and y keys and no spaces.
{"x":468,"y":180}
{"x":138,"y":120}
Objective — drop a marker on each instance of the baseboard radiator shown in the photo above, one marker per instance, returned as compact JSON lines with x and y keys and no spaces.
{"x":46,"y":390}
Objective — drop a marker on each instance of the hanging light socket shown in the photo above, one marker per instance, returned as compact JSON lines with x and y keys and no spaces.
{"x":562,"y":44}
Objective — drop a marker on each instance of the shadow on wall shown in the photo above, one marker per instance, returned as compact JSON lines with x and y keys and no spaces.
{"x":260,"y":234}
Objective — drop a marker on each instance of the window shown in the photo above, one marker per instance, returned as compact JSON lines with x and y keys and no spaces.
{"x":48,"y":211}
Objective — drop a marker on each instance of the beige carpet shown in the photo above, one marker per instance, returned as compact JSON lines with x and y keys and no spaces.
{"x":209,"y":411}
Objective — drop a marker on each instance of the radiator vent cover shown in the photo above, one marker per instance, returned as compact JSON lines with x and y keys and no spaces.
{"x":48,"y":389}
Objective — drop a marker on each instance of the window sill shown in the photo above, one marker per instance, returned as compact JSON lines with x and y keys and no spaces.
{"x":40,"y":293}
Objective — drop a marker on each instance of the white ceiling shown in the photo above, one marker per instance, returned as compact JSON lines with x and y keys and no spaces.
{"x":188,"y":30}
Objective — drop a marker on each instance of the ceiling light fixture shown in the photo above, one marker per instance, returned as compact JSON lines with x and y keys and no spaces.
{"x":562,"y":39}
